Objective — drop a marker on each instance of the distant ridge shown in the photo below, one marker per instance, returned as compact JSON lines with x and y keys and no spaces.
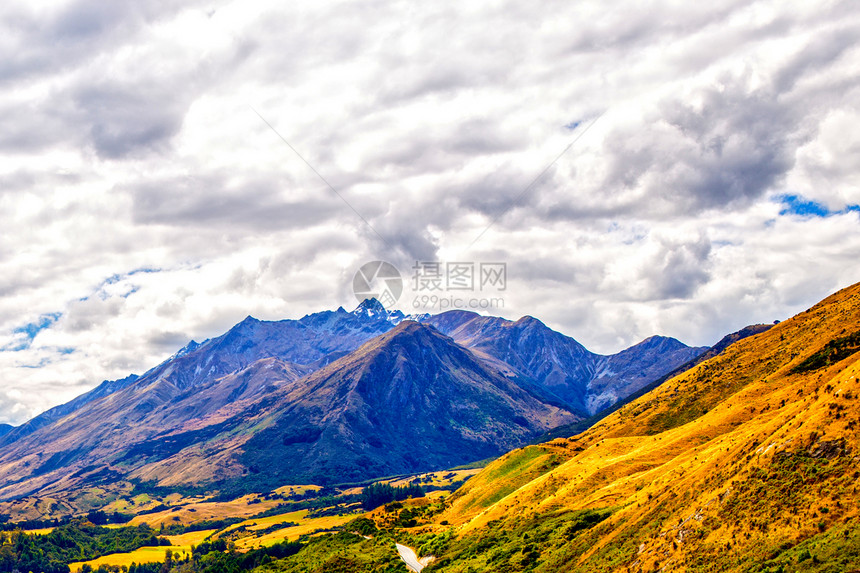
{"x":588,"y":382}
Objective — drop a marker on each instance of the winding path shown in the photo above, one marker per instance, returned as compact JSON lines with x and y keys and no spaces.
{"x":408,"y":556}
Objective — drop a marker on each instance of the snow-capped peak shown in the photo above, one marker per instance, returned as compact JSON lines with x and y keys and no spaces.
{"x":372,"y":308}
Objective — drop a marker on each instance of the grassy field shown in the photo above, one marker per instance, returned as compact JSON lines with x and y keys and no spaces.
{"x":181,"y":546}
{"x":433,"y":480}
{"x":305,"y":525}
{"x":44,"y":531}
{"x":143,"y":555}
{"x":201,"y":510}
{"x":245,"y":535}
{"x":297,"y":489}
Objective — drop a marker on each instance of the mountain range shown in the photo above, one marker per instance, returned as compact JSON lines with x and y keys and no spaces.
{"x":333,"y":397}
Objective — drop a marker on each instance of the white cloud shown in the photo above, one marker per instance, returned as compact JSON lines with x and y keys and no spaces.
{"x":129,"y":143}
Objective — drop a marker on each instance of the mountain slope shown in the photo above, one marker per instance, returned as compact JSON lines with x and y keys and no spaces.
{"x":627,"y":372}
{"x":746,"y":462}
{"x":727,"y":341}
{"x":559,"y":364}
{"x":555,"y":362}
{"x":46,"y":418}
{"x":409,"y":400}
{"x":97,"y":443}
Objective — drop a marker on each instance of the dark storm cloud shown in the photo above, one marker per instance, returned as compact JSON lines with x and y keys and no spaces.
{"x":123,"y":119}
{"x":497,"y":193}
{"x":677,"y":269}
{"x":729,"y":151}
{"x":402,"y":244}
{"x":168,"y":341}
{"x":723,"y":153}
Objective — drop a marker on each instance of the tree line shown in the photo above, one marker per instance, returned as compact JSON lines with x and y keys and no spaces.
{"x":80,"y":540}
{"x":377,"y":494}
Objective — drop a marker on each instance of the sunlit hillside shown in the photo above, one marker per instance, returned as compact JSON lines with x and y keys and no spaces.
{"x":746,"y":462}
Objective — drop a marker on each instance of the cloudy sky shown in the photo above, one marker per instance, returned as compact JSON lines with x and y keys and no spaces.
{"x":707,"y":173}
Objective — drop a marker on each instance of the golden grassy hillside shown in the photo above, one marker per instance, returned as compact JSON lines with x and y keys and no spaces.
{"x":188,"y":511}
{"x":746,"y":462}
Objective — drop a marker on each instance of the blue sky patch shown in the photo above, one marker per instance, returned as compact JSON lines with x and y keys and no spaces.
{"x":30,"y":330}
{"x":803,"y":207}
{"x":34,"y":328}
